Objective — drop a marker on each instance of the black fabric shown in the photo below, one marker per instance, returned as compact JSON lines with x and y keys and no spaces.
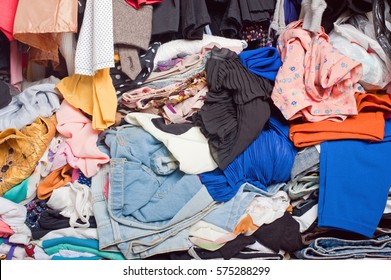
{"x":385,"y":221}
{"x":256,"y":10}
{"x":227,"y":18}
{"x":336,"y":7}
{"x":261,"y":5}
{"x":305,"y":205}
{"x":236,"y":108}
{"x":231,"y":24}
{"x":282,"y":234}
{"x":122,"y":83}
{"x":383,"y":35}
{"x":174,"y":128}
{"x":4,"y":52}
{"x":51,"y":220}
{"x":5,"y":95}
{"x":315,"y":233}
{"x":216,"y":12}
{"x":245,"y":255}
{"x":166,"y":17}
{"x":4,"y":63}
{"x":80,"y":15}
{"x":194,"y":17}
{"x":178,"y":255}
{"x":233,"y":247}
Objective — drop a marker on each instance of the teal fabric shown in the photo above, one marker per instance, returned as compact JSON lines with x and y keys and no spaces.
{"x":93,"y":258}
{"x":18,"y":193}
{"x":107,"y":255}
{"x":52,"y":246}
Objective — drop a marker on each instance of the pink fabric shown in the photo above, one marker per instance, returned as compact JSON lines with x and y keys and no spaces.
{"x":315,"y":82}
{"x":137,"y":3}
{"x":63,"y":156}
{"x":7,"y":17}
{"x":5,"y":230}
{"x":81,"y":138}
{"x":106,"y":187}
{"x":75,"y":174}
{"x":16,"y":67}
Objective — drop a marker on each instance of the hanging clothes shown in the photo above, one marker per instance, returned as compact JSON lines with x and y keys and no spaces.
{"x":138,"y":3}
{"x":132,"y":33}
{"x":7,"y":17}
{"x":40,"y":25}
{"x":95,"y":45}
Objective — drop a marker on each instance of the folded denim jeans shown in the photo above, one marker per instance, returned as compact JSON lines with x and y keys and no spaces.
{"x":336,"y":248}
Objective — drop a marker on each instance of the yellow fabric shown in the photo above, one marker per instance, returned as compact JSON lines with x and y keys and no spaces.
{"x":95,"y":95}
{"x":20,"y":150}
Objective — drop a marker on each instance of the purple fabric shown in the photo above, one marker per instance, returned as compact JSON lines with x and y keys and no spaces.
{"x":10,"y":253}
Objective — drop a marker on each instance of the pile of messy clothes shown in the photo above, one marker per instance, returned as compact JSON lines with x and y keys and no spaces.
{"x":230,"y":129}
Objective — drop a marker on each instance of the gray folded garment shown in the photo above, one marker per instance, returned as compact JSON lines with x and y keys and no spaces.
{"x":36,"y":101}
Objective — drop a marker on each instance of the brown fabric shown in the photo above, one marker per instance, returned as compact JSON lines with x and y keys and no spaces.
{"x":20,"y":150}
{"x":54,"y":180}
{"x":132,"y":32}
{"x":42,"y":57}
{"x":39,"y":23}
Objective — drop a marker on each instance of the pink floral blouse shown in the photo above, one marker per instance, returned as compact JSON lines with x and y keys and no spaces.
{"x":315,"y":82}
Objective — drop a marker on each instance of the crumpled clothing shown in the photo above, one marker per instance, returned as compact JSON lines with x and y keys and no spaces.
{"x":81,"y":138}
{"x":315,"y":82}
{"x":33,"y":102}
{"x":14,"y":215}
{"x":20,"y":150}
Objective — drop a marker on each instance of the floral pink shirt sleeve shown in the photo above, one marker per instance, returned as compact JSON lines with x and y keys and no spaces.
{"x":315,"y":82}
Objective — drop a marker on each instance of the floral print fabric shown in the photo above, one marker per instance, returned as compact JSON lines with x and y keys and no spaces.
{"x":315,"y":82}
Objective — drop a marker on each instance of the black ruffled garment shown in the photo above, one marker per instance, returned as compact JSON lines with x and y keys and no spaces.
{"x":236,"y":108}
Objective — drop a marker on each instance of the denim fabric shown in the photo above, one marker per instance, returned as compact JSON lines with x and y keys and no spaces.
{"x":144,"y":178}
{"x":305,"y":160}
{"x":150,"y":201}
{"x":114,"y":236}
{"x":335,"y":248}
{"x":227,"y":216}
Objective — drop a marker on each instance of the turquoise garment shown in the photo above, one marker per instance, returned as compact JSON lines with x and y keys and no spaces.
{"x":93,"y":258}
{"x":107,"y":255}
{"x":52,"y":246}
{"x":18,"y":193}
{"x":91,"y":243}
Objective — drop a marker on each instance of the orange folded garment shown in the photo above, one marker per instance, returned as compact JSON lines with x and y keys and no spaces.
{"x":367,"y":125}
{"x":54,"y":180}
